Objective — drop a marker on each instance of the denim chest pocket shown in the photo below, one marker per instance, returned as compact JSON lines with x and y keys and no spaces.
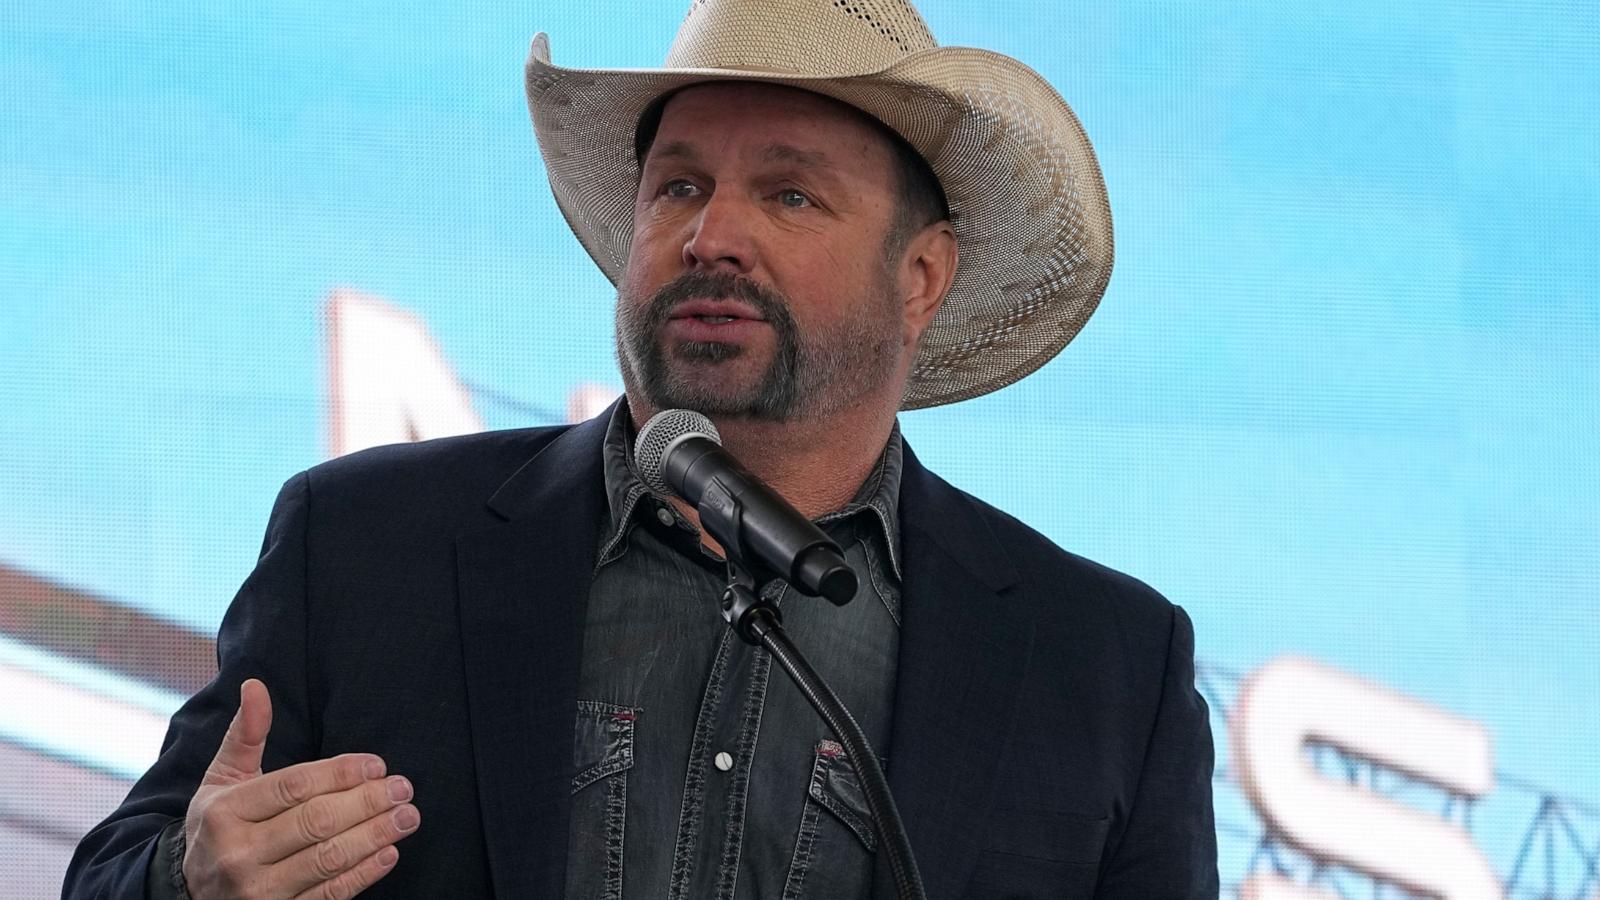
{"x":834,"y":849}
{"x":602,"y":741}
{"x":602,"y":754}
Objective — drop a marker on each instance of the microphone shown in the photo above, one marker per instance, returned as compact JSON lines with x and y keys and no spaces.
{"x":679,"y":452}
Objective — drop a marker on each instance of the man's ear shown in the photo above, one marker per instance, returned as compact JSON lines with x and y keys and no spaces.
{"x":927,"y":269}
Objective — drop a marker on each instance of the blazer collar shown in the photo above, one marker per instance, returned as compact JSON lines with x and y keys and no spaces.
{"x":523,"y":586}
{"x":965,"y":645}
{"x":955,"y":523}
{"x":569,"y":464}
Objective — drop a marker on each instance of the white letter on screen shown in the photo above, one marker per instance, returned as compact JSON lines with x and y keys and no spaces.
{"x":1291,"y":703}
{"x":387,"y":381}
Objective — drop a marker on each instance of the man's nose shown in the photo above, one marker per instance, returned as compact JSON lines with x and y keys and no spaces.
{"x":721,"y":237}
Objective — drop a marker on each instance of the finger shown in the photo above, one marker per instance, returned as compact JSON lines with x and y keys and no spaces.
{"x":324,"y":817}
{"x":239,"y":757}
{"x":329,"y":860}
{"x":277,"y":792}
{"x":354,"y":881}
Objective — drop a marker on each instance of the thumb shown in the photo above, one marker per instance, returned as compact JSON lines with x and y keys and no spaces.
{"x":239,"y":757}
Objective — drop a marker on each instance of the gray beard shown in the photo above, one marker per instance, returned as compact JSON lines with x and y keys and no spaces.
{"x":803,"y":380}
{"x":647,"y":368}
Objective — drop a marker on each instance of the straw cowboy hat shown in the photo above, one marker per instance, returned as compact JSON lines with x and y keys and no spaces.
{"x":1027,"y":200}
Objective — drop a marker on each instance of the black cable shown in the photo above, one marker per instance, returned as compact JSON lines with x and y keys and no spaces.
{"x":764,"y":625}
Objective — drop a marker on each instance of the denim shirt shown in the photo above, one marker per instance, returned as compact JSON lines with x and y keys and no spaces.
{"x":701,"y":770}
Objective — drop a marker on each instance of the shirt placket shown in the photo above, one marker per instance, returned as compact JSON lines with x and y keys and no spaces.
{"x":716,"y":785}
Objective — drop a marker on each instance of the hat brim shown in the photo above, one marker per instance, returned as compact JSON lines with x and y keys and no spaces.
{"x":1027,"y":200}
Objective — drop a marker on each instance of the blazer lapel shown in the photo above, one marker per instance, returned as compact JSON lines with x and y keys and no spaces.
{"x":964,"y":647}
{"x":523,"y":587}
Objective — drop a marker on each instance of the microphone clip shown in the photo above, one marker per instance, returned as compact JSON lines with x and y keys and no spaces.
{"x":746,"y":609}
{"x":744,"y":604}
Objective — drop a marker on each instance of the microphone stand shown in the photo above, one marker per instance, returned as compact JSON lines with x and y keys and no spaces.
{"x":758,"y":621}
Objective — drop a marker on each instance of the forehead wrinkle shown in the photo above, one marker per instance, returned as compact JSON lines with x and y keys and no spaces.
{"x":817,"y":164}
{"x":772,"y":153}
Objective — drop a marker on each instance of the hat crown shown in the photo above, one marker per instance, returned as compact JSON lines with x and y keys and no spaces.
{"x":805,"y":37}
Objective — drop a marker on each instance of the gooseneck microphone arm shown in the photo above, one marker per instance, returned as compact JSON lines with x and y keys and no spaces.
{"x":766,"y":540}
{"x":757,"y":621}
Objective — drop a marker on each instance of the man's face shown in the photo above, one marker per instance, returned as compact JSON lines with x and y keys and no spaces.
{"x":758,"y":284}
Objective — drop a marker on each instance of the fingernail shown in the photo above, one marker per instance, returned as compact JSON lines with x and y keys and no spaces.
{"x":373,"y":769}
{"x":399,"y":789}
{"x":387,"y":856}
{"x":406,"y":818}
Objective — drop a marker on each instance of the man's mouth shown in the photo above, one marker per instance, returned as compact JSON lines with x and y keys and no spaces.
{"x":715,"y":312}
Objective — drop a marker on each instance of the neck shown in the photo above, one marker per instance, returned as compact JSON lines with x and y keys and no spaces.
{"x":817,"y":466}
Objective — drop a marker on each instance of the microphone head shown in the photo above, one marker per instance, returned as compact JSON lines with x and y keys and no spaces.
{"x":657,"y":437}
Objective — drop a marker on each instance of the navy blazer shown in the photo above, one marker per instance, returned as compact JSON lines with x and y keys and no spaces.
{"x":1047,"y":738}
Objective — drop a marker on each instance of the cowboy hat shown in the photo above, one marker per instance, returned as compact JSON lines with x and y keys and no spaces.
{"x":1027,"y":200}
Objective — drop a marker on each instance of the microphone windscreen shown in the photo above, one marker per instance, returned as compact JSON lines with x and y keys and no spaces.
{"x":656,"y":438}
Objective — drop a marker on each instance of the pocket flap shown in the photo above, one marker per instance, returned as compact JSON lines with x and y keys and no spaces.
{"x":602,"y":741}
{"x":836,"y":788}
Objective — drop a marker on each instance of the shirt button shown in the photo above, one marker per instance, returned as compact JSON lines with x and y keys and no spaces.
{"x":665,"y":515}
{"x":723,"y":761}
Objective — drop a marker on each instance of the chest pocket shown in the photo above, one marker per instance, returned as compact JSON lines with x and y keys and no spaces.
{"x":833,"y":852}
{"x":602,"y":754}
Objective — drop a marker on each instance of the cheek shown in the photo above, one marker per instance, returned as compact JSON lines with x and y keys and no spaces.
{"x":654,"y":234}
{"x":833,"y":277}
{"x":861,"y":287}
{"x":651,"y":263}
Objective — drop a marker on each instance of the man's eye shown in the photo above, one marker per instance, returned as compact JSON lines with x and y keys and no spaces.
{"x":679,"y":189}
{"x":793,"y":198}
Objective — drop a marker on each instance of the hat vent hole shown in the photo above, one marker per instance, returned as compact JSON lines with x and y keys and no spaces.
{"x":880,"y":23}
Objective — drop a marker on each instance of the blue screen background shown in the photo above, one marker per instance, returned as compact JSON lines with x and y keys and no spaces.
{"x":1342,"y":398}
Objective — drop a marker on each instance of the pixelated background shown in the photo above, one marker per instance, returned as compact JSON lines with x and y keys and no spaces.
{"x":1341,"y":401}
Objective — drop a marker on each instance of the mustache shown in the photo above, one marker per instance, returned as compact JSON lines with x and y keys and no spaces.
{"x":774,"y":307}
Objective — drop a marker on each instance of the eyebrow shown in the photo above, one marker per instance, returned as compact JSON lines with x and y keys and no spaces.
{"x":784,"y":153}
{"x":811,"y":159}
{"x":675,"y":150}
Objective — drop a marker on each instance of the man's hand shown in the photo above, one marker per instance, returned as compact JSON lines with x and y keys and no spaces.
{"x":323,"y":829}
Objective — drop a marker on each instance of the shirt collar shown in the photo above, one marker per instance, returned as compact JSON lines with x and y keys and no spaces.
{"x":878,"y":496}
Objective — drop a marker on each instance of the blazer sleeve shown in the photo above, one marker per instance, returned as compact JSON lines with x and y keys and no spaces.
{"x":1169,"y":847}
{"x":263,"y":635}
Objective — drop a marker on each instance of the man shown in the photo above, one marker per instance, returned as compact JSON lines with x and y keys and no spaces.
{"x":509,"y":636}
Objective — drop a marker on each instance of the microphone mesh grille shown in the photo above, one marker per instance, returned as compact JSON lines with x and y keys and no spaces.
{"x":658,"y":434}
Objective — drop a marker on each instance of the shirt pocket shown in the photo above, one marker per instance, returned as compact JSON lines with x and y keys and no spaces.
{"x":834,"y":850}
{"x":602,"y":754}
